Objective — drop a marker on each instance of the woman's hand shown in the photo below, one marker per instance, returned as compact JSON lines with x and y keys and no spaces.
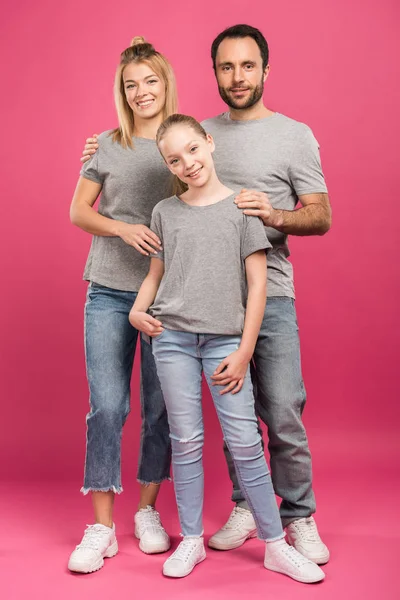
{"x":144,"y":322}
{"x":231,"y":372}
{"x":90,"y":148}
{"x":140,"y":237}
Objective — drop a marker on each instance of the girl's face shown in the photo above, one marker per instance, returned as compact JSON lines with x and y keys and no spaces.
{"x":144,"y":90}
{"x":188,"y":154}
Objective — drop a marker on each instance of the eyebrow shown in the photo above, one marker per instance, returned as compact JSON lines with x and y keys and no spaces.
{"x":133,"y":81}
{"x":186,"y":146}
{"x":229,"y":64}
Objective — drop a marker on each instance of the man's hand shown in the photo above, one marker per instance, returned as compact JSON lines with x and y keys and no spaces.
{"x":231,"y":372}
{"x":257,"y":204}
{"x":145,"y":323}
{"x":90,"y":148}
{"x":140,"y":237}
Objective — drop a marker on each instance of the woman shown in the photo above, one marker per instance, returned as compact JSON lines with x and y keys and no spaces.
{"x":131,"y":176}
{"x":207,"y":293}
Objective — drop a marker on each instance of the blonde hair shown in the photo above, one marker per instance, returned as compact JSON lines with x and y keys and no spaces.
{"x":138,"y":52}
{"x":179,"y":187}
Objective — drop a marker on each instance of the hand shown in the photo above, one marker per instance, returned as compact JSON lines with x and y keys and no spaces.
{"x":231,"y":372}
{"x":140,"y":237}
{"x":145,"y":323}
{"x":90,"y":148}
{"x":257,"y":204}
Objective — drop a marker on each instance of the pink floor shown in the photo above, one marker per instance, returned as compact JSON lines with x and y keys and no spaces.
{"x":358,"y":497}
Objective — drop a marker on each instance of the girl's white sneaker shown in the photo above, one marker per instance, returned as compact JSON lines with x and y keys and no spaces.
{"x":282,"y":558}
{"x":188,"y":554}
{"x":98,"y":542}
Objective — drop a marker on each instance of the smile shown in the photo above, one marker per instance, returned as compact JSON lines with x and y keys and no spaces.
{"x":145,"y":103}
{"x":195,"y":173}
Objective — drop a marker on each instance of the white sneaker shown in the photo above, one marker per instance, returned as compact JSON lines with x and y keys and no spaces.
{"x":188,"y":554}
{"x":98,"y":542}
{"x":303,"y":535}
{"x":282,"y":558}
{"x":239,"y":527}
{"x":149,"y":530}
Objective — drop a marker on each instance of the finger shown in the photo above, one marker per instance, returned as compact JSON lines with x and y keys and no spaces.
{"x":138,"y":248}
{"x":92,"y":140}
{"x":249,"y":204}
{"x":152,"y":242}
{"x":220,"y":368}
{"x":238,"y":387}
{"x":228,"y":388}
{"x":88,"y":152}
{"x":158,"y":332}
{"x":84,"y":158}
{"x":146,"y":246}
{"x":152,"y":321}
{"x":153,"y":236}
{"x":222,"y":381}
{"x":253,"y":213}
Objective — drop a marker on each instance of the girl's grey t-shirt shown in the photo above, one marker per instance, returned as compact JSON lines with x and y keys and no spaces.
{"x":203,"y":289}
{"x":133,"y":181}
{"x":276,"y":155}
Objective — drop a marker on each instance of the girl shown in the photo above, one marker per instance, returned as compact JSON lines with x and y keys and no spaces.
{"x":196,"y":288}
{"x":132,"y":178}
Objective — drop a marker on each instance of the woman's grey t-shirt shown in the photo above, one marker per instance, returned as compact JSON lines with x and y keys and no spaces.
{"x":133,"y":180}
{"x":276,"y":155}
{"x":203,"y":289}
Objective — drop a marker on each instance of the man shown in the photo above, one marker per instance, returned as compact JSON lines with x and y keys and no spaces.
{"x":276,"y":155}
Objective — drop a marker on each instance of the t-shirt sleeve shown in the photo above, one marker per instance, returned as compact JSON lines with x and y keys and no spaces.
{"x":305,"y":169}
{"x":156,"y":227}
{"x":91,"y":169}
{"x":254,"y":237}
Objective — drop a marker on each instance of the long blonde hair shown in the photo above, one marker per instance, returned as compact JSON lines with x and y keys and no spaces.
{"x":138,"y":52}
{"x":179,"y":187}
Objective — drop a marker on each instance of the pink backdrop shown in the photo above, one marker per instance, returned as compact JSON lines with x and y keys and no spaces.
{"x":332,"y":67}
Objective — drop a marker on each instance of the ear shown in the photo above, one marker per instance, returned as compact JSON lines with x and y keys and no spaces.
{"x":210,"y":142}
{"x":266,"y":73}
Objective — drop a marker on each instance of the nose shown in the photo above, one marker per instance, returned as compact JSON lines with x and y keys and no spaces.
{"x":188,"y":163}
{"x":237,"y":74}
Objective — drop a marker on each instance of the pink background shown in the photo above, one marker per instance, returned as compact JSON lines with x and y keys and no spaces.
{"x":332,"y":66}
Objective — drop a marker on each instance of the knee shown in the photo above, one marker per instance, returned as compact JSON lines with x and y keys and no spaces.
{"x":247,"y":446}
{"x":187,"y":444}
{"x":109,"y":414}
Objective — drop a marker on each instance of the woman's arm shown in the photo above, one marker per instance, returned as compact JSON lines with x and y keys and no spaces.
{"x":232,"y":370}
{"x":83,"y":215}
{"x":138,"y":316}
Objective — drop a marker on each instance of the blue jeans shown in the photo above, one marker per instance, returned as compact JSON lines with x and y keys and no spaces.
{"x":110,"y":343}
{"x":181,"y":358}
{"x":279,"y":400}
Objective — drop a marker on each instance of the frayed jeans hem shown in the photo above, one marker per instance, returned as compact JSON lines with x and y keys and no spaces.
{"x":158,"y":482}
{"x":112,"y":488}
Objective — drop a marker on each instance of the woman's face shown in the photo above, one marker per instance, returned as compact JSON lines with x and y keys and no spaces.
{"x":188,"y":154}
{"x":144,"y":90}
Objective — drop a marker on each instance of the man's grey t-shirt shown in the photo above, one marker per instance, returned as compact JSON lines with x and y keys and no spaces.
{"x":276,"y":155}
{"x":203,"y":289}
{"x":133,"y":180}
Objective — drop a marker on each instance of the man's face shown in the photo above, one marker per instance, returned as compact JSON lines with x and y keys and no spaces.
{"x":239,"y":72}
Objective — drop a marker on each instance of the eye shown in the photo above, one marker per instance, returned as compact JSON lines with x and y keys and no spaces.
{"x":173,"y":161}
{"x":151,"y":81}
{"x":130,"y":86}
{"x":249,"y":66}
{"x":193,"y":148}
{"x":226,"y":68}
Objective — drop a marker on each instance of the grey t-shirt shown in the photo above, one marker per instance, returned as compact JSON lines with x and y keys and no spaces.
{"x":203,"y":289}
{"x":276,"y":155}
{"x":133,"y":180}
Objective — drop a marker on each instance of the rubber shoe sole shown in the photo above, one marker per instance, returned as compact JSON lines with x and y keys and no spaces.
{"x":78,"y":568}
{"x":316,"y":579}
{"x":186,"y":573}
{"x":225,"y":546}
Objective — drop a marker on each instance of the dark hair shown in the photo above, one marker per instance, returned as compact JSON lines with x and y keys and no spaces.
{"x":242,"y":31}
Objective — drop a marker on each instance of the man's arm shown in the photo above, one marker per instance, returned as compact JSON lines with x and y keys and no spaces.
{"x":313,"y":218}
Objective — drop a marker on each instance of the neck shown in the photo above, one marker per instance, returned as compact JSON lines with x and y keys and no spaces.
{"x":147,"y":128}
{"x":210,"y":193}
{"x":257,"y":111}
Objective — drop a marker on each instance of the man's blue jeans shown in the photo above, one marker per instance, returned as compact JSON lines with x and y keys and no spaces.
{"x":110,"y":343}
{"x":181,"y":357}
{"x":279,"y":399}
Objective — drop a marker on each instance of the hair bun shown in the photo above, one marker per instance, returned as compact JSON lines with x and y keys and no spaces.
{"x":138,"y":39}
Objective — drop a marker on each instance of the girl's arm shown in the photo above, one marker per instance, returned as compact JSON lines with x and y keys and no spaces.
{"x":87,"y":218}
{"x":138,"y":316}
{"x":232,"y":370}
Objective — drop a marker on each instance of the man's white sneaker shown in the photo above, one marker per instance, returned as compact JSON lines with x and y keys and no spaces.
{"x":188,"y":554}
{"x":239,"y":527}
{"x":303,"y":535}
{"x":149,"y":530}
{"x":282,"y":558}
{"x":98,"y":542}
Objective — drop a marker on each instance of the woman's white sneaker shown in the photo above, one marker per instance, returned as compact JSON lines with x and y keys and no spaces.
{"x":98,"y":542}
{"x":303,"y":535}
{"x":188,"y":554}
{"x":149,"y":530}
{"x":282,"y":558}
{"x":239,"y":527}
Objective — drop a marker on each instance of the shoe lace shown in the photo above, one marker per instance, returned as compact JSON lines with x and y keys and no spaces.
{"x":294,"y":556}
{"x":93,"y":536}
{"x":236,"y":518}
{"x":150,"y":519}
{"x":185,"y":549}
{"x":307,"y":529}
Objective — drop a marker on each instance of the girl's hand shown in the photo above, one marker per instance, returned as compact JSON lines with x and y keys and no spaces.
{"x":140,"y":237}
{"x":145,"y":323}
{"x":90,"y":148}
{"x":231,"y":372}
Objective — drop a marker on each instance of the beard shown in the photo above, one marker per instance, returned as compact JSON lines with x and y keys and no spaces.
{"x":255,"y":96}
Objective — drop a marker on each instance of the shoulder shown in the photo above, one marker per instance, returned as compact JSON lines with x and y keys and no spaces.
{"x":214,"y":122}
{"x":164,"y":206}
{"x":296,"y":130}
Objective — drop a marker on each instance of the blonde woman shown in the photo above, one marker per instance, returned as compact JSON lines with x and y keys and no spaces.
{"x":132,"y":177}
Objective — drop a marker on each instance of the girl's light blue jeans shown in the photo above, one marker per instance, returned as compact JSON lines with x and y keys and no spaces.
{"x":181,"y":358}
